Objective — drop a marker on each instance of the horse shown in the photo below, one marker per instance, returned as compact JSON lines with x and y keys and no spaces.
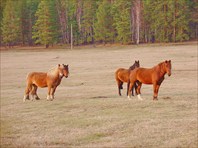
{"x":51,"y":79}
{"x":122,"y":75}
{"x":153,"y":76}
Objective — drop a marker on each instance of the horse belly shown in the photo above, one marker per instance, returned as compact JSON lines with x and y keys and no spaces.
{"x":39,"y":80}
{"x":41,"y":84}
{"x":144,"y":77}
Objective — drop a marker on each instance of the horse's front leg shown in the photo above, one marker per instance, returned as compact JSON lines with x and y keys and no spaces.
{"x":53,"y":91}
{"x":129,"y":88}
{"x":27,"y":91}
{"x":138,"y":90}
{"x":49,"y":92}
{"x":155,"y":91}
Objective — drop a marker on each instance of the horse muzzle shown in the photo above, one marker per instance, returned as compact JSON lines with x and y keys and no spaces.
{"x":66,"y":76}
{"x":169,"y":74}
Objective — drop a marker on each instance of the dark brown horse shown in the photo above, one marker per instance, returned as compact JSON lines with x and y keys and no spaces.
{"x":50,"y":79}
{"x":153,"y":76}
{"x":122,"y":75}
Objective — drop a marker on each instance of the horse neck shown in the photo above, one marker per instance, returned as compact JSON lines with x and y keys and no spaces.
{"x":54,"y":73}
{"x":161,"y":69}
{"x":132,"y":67}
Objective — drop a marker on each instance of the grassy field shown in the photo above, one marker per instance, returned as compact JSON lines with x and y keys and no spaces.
{"x":87,"y":111}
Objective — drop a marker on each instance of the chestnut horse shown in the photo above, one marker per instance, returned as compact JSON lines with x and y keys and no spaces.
{"x":122,"y":75}
{"x":50,"y":79}
{"x":153,"y":76}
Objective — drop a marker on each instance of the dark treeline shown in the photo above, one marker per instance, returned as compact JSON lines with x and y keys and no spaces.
{"x":48,"y":22}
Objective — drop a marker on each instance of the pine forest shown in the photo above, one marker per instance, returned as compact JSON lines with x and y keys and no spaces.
{"x":82,"y":22}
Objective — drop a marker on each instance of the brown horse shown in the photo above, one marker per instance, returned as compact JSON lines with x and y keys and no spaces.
{"x":50,"y":79}
{"x":153,"y":76}
{"x":122,"y":75}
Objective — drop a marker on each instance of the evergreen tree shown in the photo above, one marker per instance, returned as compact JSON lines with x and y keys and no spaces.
{"x":121,"y":17}
{"x":88,"y":20}
{"x":10,"y":24}
{"x":104,"y":30}
{"x":44,"y":28}
{"x":167,"y":20}
{"x":2,"y":6}
{"x":62,"y":10}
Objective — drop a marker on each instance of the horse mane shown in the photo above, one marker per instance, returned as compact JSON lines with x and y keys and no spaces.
{"x":52,"y":71}
{"x":132,"y":67}
{"x":160,"y":66}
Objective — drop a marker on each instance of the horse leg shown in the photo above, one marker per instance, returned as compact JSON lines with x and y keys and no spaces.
{"x":129,"y":87}
{"x":27,"y":91}
{"x":53,"y":91}
{"x":155,"y":90}
{"x":134,"y":87}
{"x":34,"y":92}
{"x":49,"y":92}
{"x":138,"y":90}
{"x":119,"y":87}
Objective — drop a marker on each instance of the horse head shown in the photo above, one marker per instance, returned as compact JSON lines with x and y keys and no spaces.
{"x":137,"y":64}
{"x":168,"y":67}
{"x":63,"y":70}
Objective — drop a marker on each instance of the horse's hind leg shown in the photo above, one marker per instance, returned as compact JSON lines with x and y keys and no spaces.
{"x":27,"y":91}
{"x":34,"y":92}
{"x":119,"y":87}
{"x":134,"y":87}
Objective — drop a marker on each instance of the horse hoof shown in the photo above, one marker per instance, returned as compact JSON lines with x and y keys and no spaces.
{"x":37,"y":98}
{"x":139,"y":97}
{"x":26,"y":97}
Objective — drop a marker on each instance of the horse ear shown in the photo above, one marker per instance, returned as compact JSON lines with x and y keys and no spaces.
{"x":170,"y":61}
{"x":58,"y":65}
{"x":166,"y":61}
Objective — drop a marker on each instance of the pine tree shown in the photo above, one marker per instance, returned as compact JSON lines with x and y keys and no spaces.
{"x":2,"y":6}
{"x":167,"y":20}
{"x":44,"y":28}
{"x":10,"y":24}
{"x":62,"y":11}
{"x":193,"y":18}
{"x":121,"y":17}
{"x":103,"y":28}
{"x":88,"y":20}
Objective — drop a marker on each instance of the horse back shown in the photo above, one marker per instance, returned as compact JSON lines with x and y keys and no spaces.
{"x":122,"y":74}
{"x":37,"y":78}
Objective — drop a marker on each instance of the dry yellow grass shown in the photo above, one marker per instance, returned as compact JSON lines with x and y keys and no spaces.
{"x":87,"y":111}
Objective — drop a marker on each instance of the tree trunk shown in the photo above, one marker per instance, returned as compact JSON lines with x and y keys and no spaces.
{"x":79,"y":14}
{"x":175,"y":14}
{"x":63,"y":20}
{"x":136,"y":20}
